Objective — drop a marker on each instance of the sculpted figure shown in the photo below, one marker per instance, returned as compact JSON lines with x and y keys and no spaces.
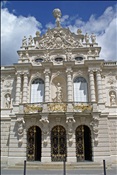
{"x":93,"y":38}
{"x":86,"y":38}
{"x":112,"y":99}
{"x":24,"y":41}
{"x":59,"y":93}
{"x":21,"y":124}
{"x":57,"y":15}
{"x":30,"y":40}
{"x":8,"y":101}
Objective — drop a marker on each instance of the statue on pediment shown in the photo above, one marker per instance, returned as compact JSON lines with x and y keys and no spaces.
{"x":86,"y":38}
{"x":24,"y":41}
{"x":57,"y":15}
{"x":93,"y":38}
{"x":30,"y":40}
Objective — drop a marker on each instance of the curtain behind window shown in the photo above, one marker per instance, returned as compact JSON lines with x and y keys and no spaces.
{"x":80,"y":90}
{"x":37,"y":91}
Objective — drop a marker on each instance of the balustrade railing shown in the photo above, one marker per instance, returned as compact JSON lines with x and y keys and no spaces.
{"x":57,"y":107}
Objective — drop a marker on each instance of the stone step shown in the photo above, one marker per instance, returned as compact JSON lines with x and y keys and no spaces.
{"x":57,"y":165}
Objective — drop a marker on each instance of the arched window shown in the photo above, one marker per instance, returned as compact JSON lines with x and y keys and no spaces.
{"x":80,"y":90}
{"x":37,"y":91}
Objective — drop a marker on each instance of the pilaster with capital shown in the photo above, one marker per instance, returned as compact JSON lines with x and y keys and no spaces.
{"x":69,"y":85}
{"x":92,"y":86}
{"x":25,"y":87}
{"x":99,"y":86}
{"x":18,"y":88}
{"x":47,"y":85}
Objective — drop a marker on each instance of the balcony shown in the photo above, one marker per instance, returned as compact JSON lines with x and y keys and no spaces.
{"x":54,"y":107}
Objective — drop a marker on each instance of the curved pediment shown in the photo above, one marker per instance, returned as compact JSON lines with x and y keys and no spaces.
{"x":58,"y":38}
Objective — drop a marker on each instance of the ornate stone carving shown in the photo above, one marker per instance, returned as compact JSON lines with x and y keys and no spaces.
{"x":46,"y":56}
{"x":45,"y":122}
{"x":58,"y":39}
{"x":89,"y":53}
{"x":8,"y":84}
{"x":94,"y":123}
{"x":8,"y":101}
{"x":111,"y":80}
{"x":20,"y":129}
{"x":70,"y":121}
{"x":96,"y":53}
{"x":68,"y":53}
{"x":112,"y":98}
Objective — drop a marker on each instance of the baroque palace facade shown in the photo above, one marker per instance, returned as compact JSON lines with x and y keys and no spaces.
{"x":59,"y":101}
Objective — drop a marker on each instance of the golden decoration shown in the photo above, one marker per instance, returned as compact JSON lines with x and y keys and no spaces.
{"x":57,"y":107}
{"x":83,"y":107}
{"x":32,"y":108}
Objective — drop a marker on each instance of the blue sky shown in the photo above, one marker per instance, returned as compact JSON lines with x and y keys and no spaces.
{"x":19,"y":18}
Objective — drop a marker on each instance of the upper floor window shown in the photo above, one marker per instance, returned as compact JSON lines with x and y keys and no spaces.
{"x":37,"y":91}
{"x":78,"y":58}
{"x":80,"y":90}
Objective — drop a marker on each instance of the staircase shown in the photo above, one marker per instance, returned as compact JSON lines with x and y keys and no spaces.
{"x":57,"y":166}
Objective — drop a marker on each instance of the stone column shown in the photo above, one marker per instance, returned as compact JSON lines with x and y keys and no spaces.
{"x":18,"y":88}
{"x":69,"y":85}
{"x":99,"y":87}
{"x":103,"y":86}
{"x":47,"y":85}
{"x":92,"y":86}
{"x":25,"y":87}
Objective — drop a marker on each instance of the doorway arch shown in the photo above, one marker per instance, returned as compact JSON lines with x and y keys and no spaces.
{"x":34,"y":144}
{"x":58,"y":143}
{"x":83,"y":143}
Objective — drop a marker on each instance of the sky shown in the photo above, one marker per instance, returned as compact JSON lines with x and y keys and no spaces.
{"x":24,"y":18}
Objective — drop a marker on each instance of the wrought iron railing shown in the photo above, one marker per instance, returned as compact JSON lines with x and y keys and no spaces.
{"x":84,"y":107}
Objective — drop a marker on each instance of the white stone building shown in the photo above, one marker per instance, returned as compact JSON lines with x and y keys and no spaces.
{"x":59,"y":101}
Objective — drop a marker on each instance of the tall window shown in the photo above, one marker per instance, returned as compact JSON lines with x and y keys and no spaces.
{"x":80,"y":90}
{"x":37,"y":91}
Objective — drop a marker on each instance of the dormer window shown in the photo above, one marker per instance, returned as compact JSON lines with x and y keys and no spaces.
{"x":78,"y":58}
{"x":58,"y":59}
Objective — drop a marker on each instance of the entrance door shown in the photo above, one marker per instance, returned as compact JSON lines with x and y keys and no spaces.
{"x":58,"y":143}
{"x":34,"y":144}
{"x":83,"y":143}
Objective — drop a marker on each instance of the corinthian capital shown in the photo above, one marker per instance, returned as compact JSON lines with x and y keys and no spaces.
{"x":69,"y":70}
{"x":47,"y":71}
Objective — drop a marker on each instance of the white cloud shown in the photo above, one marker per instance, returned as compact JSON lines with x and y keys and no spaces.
{"x":13,"y":29}
{"x":105,"y":27}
